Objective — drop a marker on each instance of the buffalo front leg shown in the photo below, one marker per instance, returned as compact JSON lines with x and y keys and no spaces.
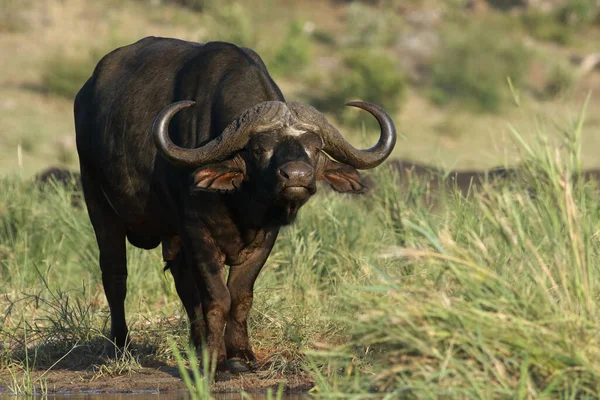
{"x":241,"y":286}
{"x":208,"y":271}
{"x":186,"y":287}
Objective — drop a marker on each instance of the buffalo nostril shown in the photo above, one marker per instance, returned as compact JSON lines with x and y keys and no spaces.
{"x":284,"y":173}
{"x":296,"y":171}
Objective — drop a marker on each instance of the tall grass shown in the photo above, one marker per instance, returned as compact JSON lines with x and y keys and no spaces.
{"x":495,"y":298}
{"x":491,"y":296}
{"x":198,"y":383}
{"x":52,"y":285}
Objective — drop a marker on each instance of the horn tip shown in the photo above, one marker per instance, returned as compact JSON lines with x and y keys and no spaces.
{"x":365,"y":105}
{"x":354,"y":103}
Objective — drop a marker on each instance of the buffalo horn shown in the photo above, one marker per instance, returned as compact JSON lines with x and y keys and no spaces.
{"x":334,"y":143}
{"x":269,"y":115}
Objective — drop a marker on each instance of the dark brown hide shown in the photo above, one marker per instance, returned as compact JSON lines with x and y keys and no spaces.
{"x":194,"y":147}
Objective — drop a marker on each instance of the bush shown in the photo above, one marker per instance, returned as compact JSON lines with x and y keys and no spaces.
{"x":369,"y":26}
{"x":368,"y":75}
{"x":473,"y":66}
{"x":579,"y":13}
{"x":559,"y":25}
{"x":544,"y":26}
{"x":232,"y":23}
{"x":561,"y":79}
{"x":294,"y":53}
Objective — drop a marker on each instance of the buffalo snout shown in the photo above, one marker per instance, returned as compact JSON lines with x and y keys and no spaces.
{"x":297,"y":174}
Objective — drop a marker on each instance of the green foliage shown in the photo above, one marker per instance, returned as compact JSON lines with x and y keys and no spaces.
{"x":294,"y":53}
{"x":579,"y":13}
{"x":232,"y":22}
{"x":22,"y":382}
{"x":561,"y":23}
{"x":368,"y":26}
{"x":561,"y":79}
{"x":369,"y":75}
{"x":492,"y":298}
{"x":473,"y":65}
{"x":544,"y":25}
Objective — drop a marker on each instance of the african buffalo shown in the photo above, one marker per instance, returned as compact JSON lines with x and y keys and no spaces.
{"x":194,"y":146}
{"x":59,"y":175}
{"x":62,"y":177}
{"x":462,"y":180}
{"x":433,"y":182}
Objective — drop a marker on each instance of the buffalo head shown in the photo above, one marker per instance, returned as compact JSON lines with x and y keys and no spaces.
{"x":279,"y":150}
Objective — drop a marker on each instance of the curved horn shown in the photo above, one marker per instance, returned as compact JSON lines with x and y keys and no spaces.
{"x":337,"y":147}
{"x":262,"y":117}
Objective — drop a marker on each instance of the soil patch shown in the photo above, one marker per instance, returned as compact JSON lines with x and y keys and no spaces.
{"x":152,"y":380}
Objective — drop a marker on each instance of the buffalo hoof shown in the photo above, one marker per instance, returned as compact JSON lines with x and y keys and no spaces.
{"x":222,"y":376}
{"x":237,"y":366}
{"x":111,"y":351}
{"x":253,"y":365}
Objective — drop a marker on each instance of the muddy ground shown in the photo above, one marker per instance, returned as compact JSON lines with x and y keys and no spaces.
{"x":161,"y":380}
{"x":83,"y":372}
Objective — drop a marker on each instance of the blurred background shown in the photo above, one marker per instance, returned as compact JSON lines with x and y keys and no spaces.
{"x":457,"y":75}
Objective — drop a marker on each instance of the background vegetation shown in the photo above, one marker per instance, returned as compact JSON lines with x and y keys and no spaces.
{"x":441,"y":67}
{"x":489,"y":296}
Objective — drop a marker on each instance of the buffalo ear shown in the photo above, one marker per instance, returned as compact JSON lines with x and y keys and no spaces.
{"x":343,"y":178}
{"x":225,"y":176}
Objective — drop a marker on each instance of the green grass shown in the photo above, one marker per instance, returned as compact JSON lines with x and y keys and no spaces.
{"x":22,"y":383}
{"x":294,"y":53}
{"x":198,"y":383}
{"x":486,"y":297}
{"x":382,"y":295}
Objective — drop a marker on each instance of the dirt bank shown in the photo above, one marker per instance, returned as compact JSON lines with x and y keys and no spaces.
{"x":154,"y":380}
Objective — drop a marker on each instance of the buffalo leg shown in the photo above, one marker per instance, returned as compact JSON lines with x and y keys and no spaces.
{"x":241,"y":285}
{"x":187,"y":291}
{"x":110,"y":235}
{"x":215,"y":304}
{"x":208,"y":271}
